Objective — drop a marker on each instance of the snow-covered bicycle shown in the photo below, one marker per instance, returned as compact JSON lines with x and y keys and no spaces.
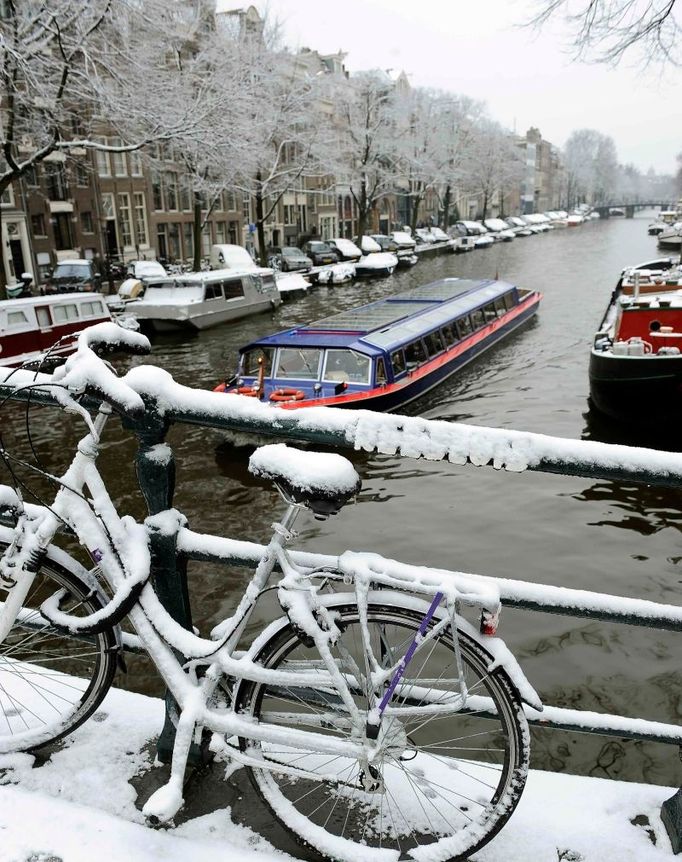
{"x":374,"y":720}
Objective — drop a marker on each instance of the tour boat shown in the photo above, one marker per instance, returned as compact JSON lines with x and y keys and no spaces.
{"x":200,"y":300}
{"x":383,"y":355}
{"x":32,"y":325}
{"x":636,"y":359}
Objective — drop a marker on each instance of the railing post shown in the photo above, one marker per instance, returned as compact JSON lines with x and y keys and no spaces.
{"x":155,"y":468}
{"x":671,"y":815}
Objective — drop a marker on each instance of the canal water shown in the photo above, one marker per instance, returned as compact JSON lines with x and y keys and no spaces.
{"x":607,"y":536}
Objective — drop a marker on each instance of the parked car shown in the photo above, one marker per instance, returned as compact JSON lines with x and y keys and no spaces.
{"x":320,"y":252}
{"x":74,"y":276}
{"x":144,"y":270}
{"x":439,"y":234}
{"x":346,"y":249}
{"x":289,"y":259}
{"x":369,"y":245}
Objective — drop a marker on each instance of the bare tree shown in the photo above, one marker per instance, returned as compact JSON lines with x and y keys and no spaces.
{"x":367,"y":155}
{"x":493,"y":163}
{"x":591,"y":164}
{"x":73,"y":71}
{"x":607,"y":30}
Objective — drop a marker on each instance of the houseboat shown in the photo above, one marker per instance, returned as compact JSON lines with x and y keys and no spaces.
{"x":32,"y":325}
{"x":203,"y":299}
{"x":636,"y":359}
{"x":383,"y":355}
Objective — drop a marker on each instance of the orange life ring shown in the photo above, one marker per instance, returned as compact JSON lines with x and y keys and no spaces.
{"x":247,"y":390}
{"x":286,"y":394}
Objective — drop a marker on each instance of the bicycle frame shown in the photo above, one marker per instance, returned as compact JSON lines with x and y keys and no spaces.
{"x":119,"y":549}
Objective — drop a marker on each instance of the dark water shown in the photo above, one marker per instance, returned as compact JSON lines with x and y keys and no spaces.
{"x":605,"y":536}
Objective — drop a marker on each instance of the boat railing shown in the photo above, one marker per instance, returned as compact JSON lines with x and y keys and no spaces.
{"x":169,"y":403}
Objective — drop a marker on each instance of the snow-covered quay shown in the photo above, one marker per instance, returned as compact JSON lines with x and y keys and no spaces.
{"x":80,"y":805}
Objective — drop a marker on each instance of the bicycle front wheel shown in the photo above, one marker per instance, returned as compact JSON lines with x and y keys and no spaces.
{"x":51,"y":680}
{"x":447,"y":777}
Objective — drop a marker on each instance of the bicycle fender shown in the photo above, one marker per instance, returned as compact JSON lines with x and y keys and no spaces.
{"x":500,"y":654}
{"x":61,"y":559}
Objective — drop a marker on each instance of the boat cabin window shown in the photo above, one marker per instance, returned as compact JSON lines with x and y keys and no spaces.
{"x":500,"y":307}
{"x":464,"y":326}
{"x":298,"y":363}
{"x":91,"y":309}
{"x":489,"y":312}
{"x":434,"y":343}
{"x":398,"y":363}
{"x":233,"y":288}
{"x":43,"y":316}
{"x":213,"y":291}
{"x":381,"y":373}
{"x":65,"y":312}
{"x":477,"y":318}
{"x":346,"y":366}
{"x":250,"y":361}
{"x":415,"y":354}
{"x":16,"y":318}
{"x":449,"y":332}
{"x":509,"y":300}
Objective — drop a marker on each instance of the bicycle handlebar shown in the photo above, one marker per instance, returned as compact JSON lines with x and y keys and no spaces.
{"x":84,"y":372}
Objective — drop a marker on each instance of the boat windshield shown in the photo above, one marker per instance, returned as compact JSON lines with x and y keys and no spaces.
{"x":346,"y":366}
{"x":299,"y":363}
{"x":252,"y":358}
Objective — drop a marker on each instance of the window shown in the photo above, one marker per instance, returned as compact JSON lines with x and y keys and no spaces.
{"x":464,"y":326}
{"x":171,"y":190}
{"x":509,"y":300}
{"x":157,"y":191}
{"x":108,"y":211}
{"x":232,"y":201}
{"x":43,"y":317}
{"x":289,"y":216}
{"x":31,"y":176}
{"x":346,"y":366}
{"x":16,"y":318}
{"x":213,"y":291}
{"x":124,"y":219}
{"x":135,"y":163}
{"x":381,"y":372}
{"x":82,"y":177}
{"x":414,"y":355}
{"x":301,"y":363}
{"x":434,"y":343}
{"x":38,"y":224}
{"x":477,"y":318}
{"x":62,"y":231}
{"x":65,"y":312}
{"x":398,"y":363}
{"x":55,"y":176}
{"x":185,"y":197}
{"x":140,"y":218}
{"x":220,"y":232}
{"x":102,"y":161}
{"x":174,"y":240}
{"x":251,"y":361}
{"x":86,"y":222}
{"x":91,"y":309}
{"x":489,"y":312}
{"x":233,"y":288}
{"x":500,"y":306}
{"x":246,"y":208}
{"x":449,"y":333}
{"x":119,"y":160}
{"x":188,"y":238}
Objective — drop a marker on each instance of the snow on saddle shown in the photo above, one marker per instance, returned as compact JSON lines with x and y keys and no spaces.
{"x":322,"y":482}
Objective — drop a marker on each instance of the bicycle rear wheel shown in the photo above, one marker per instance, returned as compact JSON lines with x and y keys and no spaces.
{"x":51,"y":681}
{"x":447,"y":779}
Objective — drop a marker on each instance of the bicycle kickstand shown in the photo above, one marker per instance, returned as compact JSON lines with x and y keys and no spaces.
{"x":164,"y":803}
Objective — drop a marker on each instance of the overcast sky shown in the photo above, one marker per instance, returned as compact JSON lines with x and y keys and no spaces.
{"x":476,"y":47}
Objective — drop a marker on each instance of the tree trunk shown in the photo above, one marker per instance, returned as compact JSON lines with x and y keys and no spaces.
{"x":363,"y":212}
{"x":3,"y":277}
{"x":196,"y":264}
{"x":416,"y":201}
{"x":446,"y":207}
{"x":485,"y":208}
{"x":260,"y":228}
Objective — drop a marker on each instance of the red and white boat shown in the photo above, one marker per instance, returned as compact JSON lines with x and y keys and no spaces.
{"x":32,"y":325}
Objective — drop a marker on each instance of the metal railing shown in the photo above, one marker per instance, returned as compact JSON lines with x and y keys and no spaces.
{"x":169,"y":403}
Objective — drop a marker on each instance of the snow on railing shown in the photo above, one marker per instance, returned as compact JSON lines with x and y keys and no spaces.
{"x":388,"y":434}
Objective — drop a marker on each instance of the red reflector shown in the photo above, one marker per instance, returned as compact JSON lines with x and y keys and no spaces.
{"x":489,"y":623}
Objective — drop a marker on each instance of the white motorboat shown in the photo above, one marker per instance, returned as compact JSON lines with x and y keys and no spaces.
{"x":380,"y":263}
{"x":500,"y":229}
{"x":671,"y":237}
{"x":200,"y":300}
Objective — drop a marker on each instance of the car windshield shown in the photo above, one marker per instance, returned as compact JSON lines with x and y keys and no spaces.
{"x":319,"y":246}
{"x":290,"y":252}
{"x":71,"y":270}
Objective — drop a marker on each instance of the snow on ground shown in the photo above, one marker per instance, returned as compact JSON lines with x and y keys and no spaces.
{"x":80,"y":806}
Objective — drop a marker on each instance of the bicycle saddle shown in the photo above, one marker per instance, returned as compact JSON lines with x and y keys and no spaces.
{"x":322,"y":482}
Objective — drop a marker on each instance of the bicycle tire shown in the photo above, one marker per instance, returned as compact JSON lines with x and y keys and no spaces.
{"x":331,"y":826}
{"x":51,"y":681}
